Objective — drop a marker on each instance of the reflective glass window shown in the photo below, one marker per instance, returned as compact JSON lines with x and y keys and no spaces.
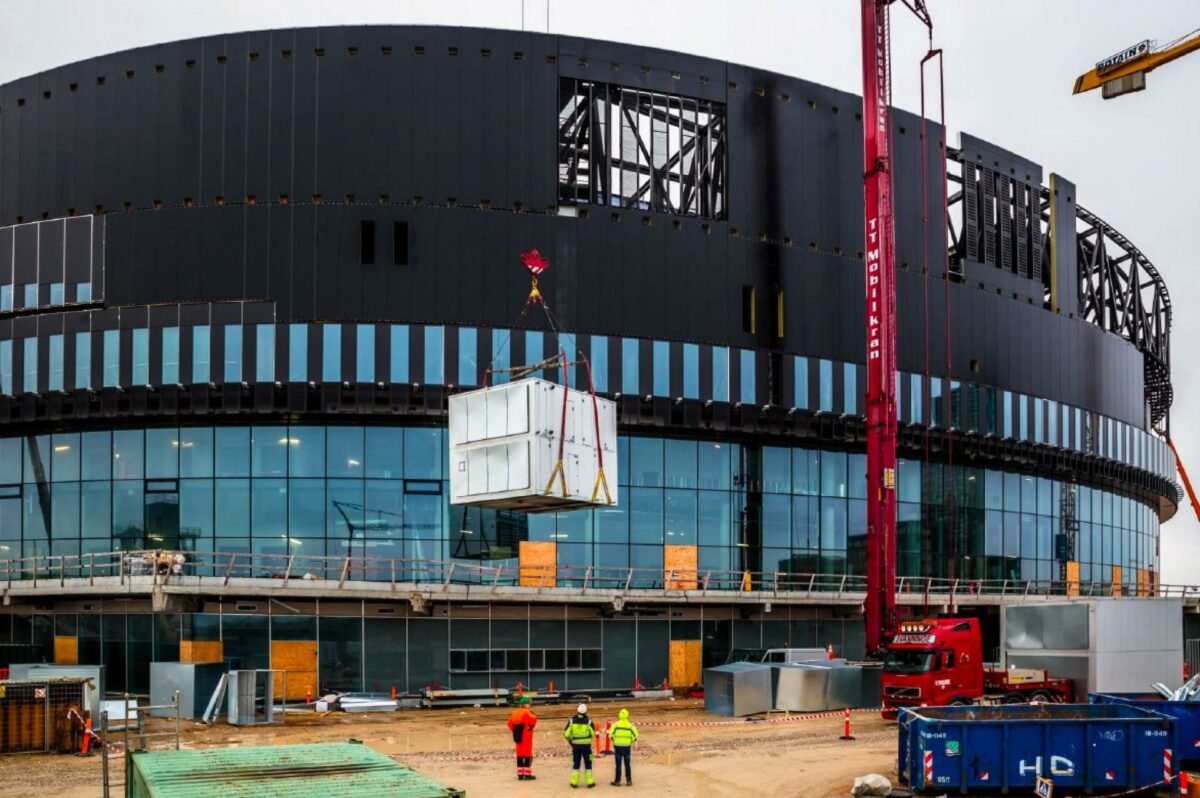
{"x":95,"y":511}
{"x":6,"y":297}
{"x":629,"y":366}
{"x":399,"y":353}
{"x":534,"y":341}
{"x":196,"y":452}
{"x":1006,"y":413}
{"x":232,"y":515}
{"x":646,"y":515}
{"x":264,"y":353}
{"x":435,"y":355}
{"x":833,"y":474}
{"x":849,"y":388}
{"x":856,"y":475}
{"x":201,"y":356}
{"x":955,"y":404}
{"x":833,"y":525}
{"x":646,"y":462}
{"x":662,"y":368}
{"x":599,"y":364}
{"x":916,"y":399}
{"x":196,"y":511}
{"x":748,"y":381}
{"x":162,"y":453}
{"x":96,"y":455}
{"x":800,"y":383}
{"x":344,"y":452}
{"x":233,"y":353}
{"x":297,"y":353}
{"x":331,"y":352}
{"x":825,"y":385}
{"x":269,"y":451}
{"x":937,"y":409}
{"x":170,"y":355}
{"x":423,"y":452}
{"x":567,"y":343}
{"x":141,"y":357}
{"x":468,"y":356}
{"x":501,"y":356}
{"x":232,"y":449}
{"x":713,"y":461}
{"x":679,"y":517}
{"x":54,"y":379}
{"x":720,"y":373}
{"x":306,"y":508}
{"x":128,"y":454}
{"x":806,"y":472}
{"x":384,"y":452}
{"x":29,"y":382}
{"x":31,"y":295}
{"x":364,"y":353}
{"x":306,"y":451}
{"x":1022,"y":417}
{"x":6,"y":367}
{"x":908,"y":481}
{"x":64,"y":466}
{"x":268,"y":509}
{"x":36,"y":454}
{"x":83,"y":292}
{"x":1052,"y":422}
{"x":129,"y":514}
{"x":691,"y":371}
{"x":776,"y":469}
{"x":57,"y":293}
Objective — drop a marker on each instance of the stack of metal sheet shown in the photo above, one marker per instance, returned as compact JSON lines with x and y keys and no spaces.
{"x":1189,"y":692}
{"x":816,"y":686}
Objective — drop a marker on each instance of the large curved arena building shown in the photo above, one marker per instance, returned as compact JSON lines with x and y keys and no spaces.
{"x":240,"y":276}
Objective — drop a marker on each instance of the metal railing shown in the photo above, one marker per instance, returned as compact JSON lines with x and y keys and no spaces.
{"x":225,"y":568}
{"x":133,"y":719}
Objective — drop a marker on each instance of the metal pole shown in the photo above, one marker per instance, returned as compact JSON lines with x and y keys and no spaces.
{"x":175,"y":701}
{"x":104,"y":750}
{"x":46,"y":727}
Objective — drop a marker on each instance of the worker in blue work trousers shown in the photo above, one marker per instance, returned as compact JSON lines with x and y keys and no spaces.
{"x":580,"y":731}
{"x":624,"y":734}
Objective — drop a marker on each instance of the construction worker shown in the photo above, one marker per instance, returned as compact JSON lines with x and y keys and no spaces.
{"x":579,"y":732}
{"x":624,"y":735}
{"x":521,"y":723}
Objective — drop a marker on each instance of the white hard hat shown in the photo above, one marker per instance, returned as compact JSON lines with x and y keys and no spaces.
{"x":581,"y":709}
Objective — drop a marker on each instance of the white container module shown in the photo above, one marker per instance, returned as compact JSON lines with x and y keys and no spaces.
{"x":505,"y":443}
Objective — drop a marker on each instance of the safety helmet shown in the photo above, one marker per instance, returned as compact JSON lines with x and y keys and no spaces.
{"x":623,"y":714}
{"x":524,"y":700}
{"x":581,"y":709}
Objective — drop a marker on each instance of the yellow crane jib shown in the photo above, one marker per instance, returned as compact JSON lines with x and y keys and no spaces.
{"x":1124,"y":72}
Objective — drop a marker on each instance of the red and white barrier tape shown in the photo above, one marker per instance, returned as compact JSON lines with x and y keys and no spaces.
{"x":779,"y":719}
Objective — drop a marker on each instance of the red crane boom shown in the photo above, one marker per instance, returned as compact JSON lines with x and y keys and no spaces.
{"x":880,"y":261}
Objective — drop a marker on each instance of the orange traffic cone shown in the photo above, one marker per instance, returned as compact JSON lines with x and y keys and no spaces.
{"x":608,"y":737}
{"x":308,"y":696}
{"x":637,"y":683}
{"x":393,"y":692}
{"x":846,"y":735}
{"x":520,"y":689}
{"x":550,"y":688}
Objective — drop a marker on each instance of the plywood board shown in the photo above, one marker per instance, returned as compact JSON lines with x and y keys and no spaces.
{"x":1116,"y":580}
{"x":66,"y":650}
{"x":1072,"y":578}
{"x":538,"y":563}
{"x":201,"y":651}
{"x":299,"y":659}
{"x":679,"y":567}
{"x":685,"y":667}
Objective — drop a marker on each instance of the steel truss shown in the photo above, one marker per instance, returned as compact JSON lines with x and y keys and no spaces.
{"x":628,"y":148}
{"x":1120,"y":291}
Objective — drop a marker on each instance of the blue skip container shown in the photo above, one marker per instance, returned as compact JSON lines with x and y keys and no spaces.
{"x":1093,"y":747}
{"x":1185,"y":713}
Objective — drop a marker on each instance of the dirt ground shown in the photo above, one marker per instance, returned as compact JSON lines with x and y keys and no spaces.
{"x":472,"y":750}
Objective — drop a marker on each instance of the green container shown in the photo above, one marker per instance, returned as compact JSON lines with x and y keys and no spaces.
{"x":328,"y":770}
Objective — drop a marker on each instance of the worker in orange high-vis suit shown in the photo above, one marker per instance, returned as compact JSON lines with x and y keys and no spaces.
{"x":521,"y":723}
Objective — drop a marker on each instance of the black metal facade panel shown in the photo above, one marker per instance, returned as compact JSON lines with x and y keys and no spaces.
{"x":241,"y":167}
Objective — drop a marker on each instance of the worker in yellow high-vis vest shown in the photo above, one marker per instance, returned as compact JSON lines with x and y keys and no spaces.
{"x":624,"y":734}
{"x":579,"y":732}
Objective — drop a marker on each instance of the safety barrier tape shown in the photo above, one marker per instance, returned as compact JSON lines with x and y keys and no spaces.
{"x":778,"y":719}
{"x":1137,"y":790}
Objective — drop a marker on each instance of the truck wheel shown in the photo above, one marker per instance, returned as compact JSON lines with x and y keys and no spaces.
{"x":1040,"y":697}
{"x":1013,"y":698}
{"x":959,"y":702}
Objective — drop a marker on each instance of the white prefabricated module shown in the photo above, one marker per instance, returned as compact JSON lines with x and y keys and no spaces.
{"x":504,"y":445}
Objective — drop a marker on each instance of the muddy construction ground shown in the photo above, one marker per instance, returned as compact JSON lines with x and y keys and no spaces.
{"x":682,"y":752}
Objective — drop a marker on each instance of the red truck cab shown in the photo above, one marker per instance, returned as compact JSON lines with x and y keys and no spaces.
{"x":933,"y":662}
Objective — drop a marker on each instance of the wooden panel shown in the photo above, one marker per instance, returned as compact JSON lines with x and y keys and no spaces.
{"x":1116,"y":580}
{"x":679,"y":566}
{"x":201,"y":651}
{"x":538,"y":563}
{"x":66,"y":650}
{"x":685,"y":663}
{"x":1072,"y":579}
{"x":299,"y":659}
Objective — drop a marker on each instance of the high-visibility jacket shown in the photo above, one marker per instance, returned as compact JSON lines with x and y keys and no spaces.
{"x":525,"y":719}
{"x":623,"y":733}
{"x":580,"y":730}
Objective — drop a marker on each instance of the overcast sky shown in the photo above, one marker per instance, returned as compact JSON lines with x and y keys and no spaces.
{"x":1009,"y":70}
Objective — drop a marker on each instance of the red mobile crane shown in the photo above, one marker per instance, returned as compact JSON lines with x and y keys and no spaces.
{"x":880,"y":261}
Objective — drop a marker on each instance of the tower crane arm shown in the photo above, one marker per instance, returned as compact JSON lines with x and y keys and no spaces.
{"x":1140,"y":58}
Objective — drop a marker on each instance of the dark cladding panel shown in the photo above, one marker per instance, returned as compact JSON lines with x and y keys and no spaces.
{"x":1064,"y":252}
{"x":448,"y":58}
{"x":255,"y":72}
